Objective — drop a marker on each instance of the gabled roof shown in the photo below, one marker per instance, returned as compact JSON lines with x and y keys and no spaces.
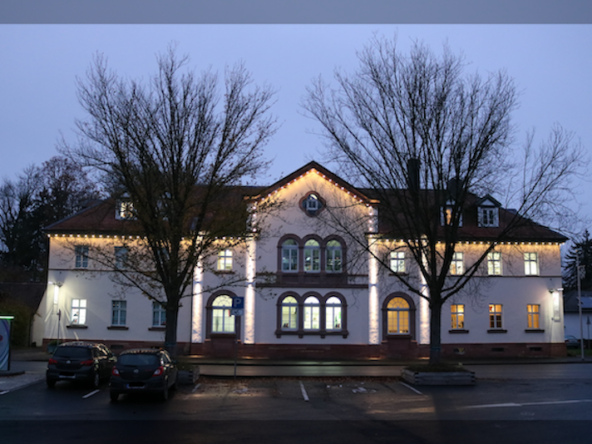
{"x":323,"y":172}
{"x":488,"y":201}
{"x":100,"y":218}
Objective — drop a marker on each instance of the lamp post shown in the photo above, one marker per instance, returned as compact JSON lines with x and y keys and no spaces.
{"x":580,"y":303}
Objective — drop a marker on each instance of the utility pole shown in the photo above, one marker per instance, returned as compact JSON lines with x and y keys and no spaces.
{"x":580,"y":303}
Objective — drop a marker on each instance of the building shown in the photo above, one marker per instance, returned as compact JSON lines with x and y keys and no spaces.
{"x":312,"y":290}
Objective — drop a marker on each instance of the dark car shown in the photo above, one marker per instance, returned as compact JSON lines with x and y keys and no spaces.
{"x":572,"y":342}
{"x":143,"y":371}
{"x":80,"y":361}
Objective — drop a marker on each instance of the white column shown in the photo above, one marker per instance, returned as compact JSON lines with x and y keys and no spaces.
{"x":373,"y":299}
{"x":249,"y":317}
{"x":197,"y":324}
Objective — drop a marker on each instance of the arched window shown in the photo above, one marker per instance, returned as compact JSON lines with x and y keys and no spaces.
{"x":222,"y":320}
{"x":398,"y":317}
{"x":290,"y":255}
{"x":289,"y":313}
{"x":334,"y":257}
{"x":312,"y":313}
{"x":333,"y":314}
{"x":312,"y":256}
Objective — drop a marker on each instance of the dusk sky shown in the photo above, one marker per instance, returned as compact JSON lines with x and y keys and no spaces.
{"x":550,"y":64}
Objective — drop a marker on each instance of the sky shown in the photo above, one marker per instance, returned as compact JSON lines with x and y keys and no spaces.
{"x":550,"y":64}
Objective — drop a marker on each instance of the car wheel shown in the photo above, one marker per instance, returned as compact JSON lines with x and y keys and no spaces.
{"x":50,"y":383}
{"x":96,"y":379}
{"x":114,"y":396}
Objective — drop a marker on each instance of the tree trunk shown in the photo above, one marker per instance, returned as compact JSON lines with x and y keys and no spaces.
{"x":435,"y":331}
{"x":170,"y":336}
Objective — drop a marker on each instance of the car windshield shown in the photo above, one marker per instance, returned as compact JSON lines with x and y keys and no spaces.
{"x":72,"y":352}
{"x":138,"y":359}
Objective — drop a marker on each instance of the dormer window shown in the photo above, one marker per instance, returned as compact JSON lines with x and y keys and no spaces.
{"x":446,"y":215}
{"x":489,"y":217}
{"x":124,"y":208}
{"x":312,"y":204}
{"x":488,"y":212}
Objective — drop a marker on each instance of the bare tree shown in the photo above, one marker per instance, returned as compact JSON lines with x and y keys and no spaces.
{"x":176,"y":148}
{"x":426,"y":138}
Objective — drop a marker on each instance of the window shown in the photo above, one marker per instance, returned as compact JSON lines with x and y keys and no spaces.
{"x":333,"y":314}
{"x":398,"y":317}
{"x":398,"y":262}
{"x":289,"y":313}
{"x":312,"y":313}
{"x":494,"y":263}
{"x":457,"y":316}
{"x":531,"y":266}
{"x":533,"y":316}
{"x":488,"y":217}
{"x":158,"y":315}
{"x":118,"y":312}
{"x":224,"y":260}
{"x":495,"y":316}
{"x":222,"y":320}
{"x":446,"y":217}
{"x":312,"y":204}
{"x":334,"y":257}
{"x":312,"y":256}
{"x":124,"y":209}
{"x":290,"y":255}
{"x":457,"y":264}
{"x":120,"y":257}
{"x":78,"y":312}
{"x":81,"y":252}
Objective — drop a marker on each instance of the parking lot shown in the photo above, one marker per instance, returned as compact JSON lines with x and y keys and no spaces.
{"x":546,"y":402}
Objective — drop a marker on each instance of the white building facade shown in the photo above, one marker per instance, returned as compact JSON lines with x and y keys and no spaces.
{"x":312,"y":289}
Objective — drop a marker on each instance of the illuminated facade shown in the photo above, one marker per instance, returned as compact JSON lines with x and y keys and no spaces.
{"x":313,"y":289}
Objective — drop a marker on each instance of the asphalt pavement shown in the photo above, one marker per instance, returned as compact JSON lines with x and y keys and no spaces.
{"x":28,"y":367}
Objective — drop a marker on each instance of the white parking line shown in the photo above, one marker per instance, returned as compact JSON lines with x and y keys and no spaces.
{"x":90,"y":394}
{"x":4,"y":392}
{"x":513,"y":404}
{"x":410,"y":388}
{"x":304,"y":395}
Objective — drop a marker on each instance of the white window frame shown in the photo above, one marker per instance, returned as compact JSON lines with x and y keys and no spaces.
{"x":494,"y":263}
{"x":224,"y":262}
{"x":398,"y":310}
{"x":120,"y":253}
{"x":221,"y":307}
{"x":397,"y":262}
{"x":158,"y":315}
{"x":125,"y":209}
{"x":488,"y":217}
{"x":312,"y":252}
{"x":289,"y":257}
{"x":78,"y":313}
{"x":457,"y":317}
{"x":334,"y":257}
{"x":289,"y":313}
{"x":312,"y":314}
{"x":533,"y":316}
{"x":457,"y":264}
{"x":118,"y":313}
{"x":531,"y":264}
{"x":496,"y":316}
{"x":81,"y":256}
{"x":333,"y":314}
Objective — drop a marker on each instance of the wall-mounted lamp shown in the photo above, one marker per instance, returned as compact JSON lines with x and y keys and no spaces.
{"x":56,"y":291}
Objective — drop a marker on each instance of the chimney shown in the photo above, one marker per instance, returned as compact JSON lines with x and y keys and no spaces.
{"x":413,"y":174}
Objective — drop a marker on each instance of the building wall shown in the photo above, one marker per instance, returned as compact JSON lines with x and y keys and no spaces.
{"x":365,"y":291}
